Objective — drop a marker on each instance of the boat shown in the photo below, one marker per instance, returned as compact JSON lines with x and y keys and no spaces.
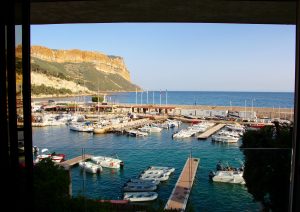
{"x":140,"y":196}
{"x":139,"y":187}
{"x":150,"y":129}
{"x":228,"y":177}
{"x":227,"y":174}
{"x":56,"y":158}
{"x":90,"y":167}
{"x":136,"y":133}
{"x":163,"y":168}
{"x":85,"y":127}
{"x":159,"y":177}
{"x":108,"y":162}
{"x":142,"y":181}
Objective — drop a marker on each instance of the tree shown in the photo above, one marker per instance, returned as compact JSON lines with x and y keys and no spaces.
{"x":51,"y":186}
{"x":267,"y":170}
{"x":95,"y":99}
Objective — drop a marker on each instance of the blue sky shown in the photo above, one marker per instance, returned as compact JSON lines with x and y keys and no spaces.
{"x":190,"y":57}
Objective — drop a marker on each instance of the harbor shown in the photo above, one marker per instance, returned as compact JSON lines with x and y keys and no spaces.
{"x":138,"y":153}
{"x":143,"y":136}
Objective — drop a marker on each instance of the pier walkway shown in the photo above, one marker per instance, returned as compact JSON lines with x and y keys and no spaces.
{"x":210,"y":131}
{"x":73,"y":161}
{"x":182,"y":189}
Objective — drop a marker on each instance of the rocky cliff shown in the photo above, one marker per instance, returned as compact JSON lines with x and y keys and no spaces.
{"x":102,"y":62}
{"x":77,"y":71}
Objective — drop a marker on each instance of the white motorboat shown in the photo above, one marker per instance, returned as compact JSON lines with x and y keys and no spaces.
{"x":90,"y":167}
{"x":136,"y":133}
{"x":227,"y":174}
{"x":85,"y":127}
{"x":228,"y":177}
{"x":108,"y":162}
{"x":143,"y":181}
{"x":150,"y":129}
{"x":163,"y":168}
{"x":139,"y":187}
{"x":140,"y":196}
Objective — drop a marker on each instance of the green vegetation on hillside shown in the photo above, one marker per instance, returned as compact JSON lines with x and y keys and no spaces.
{"x":43,"y":89}
{"x":84,"y":74}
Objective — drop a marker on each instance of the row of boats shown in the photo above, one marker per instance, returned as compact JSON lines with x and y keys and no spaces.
{"x":193,"y":130}
{"x":142,"y":188}
{"x":95,"y":165}
{"x":229,"y":134}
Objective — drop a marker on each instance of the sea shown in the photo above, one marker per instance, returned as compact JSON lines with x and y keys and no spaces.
{"x":159,"y":149}
{"x":211,"y":98}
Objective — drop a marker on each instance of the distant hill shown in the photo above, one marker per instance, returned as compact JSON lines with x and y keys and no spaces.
{"x":78,"y":70}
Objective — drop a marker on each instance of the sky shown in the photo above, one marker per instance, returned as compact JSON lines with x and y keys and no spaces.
{"x":187,"y":56}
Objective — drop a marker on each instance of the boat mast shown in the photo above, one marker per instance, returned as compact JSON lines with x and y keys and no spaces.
{"x":98,"y":98}
{"x":147,"y":97}
{"x":166,"y":96}
{"x":136,"y":96}
{"x":160,"y":97}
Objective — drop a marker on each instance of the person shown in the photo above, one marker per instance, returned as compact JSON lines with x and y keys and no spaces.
{"x":219,"y":166}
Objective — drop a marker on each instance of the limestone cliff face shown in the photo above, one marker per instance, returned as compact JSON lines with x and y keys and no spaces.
{"x":103,"y":63}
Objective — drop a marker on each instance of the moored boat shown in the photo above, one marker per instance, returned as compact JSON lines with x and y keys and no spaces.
{"x":163,"y":168}
{"x":142,"y":181}
{"x":139,"y":187}
{"x":140,"y":196}
{"x":56,"y":158}
{"x":160,"y":177}
{"x":228,"y":177}
{"x":108,"y":162}
{"x":90,"y":167}
{"x":227,"y":174}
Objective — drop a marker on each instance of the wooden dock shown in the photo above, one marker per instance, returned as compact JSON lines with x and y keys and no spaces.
{"x":182,"y":189}
{"x":73,"y":161}
{"x":210,"y":131}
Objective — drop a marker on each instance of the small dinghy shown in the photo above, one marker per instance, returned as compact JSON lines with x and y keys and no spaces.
{"x":139,"y":187}
{"x":161,"y":177}
{"x":162,"y":168}
{"x":90,"y":167}
{"x":140,"y":196}
{"x":141,"y":181}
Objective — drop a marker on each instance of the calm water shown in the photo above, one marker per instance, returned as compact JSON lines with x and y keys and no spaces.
{"x":259,"y":99}
{"x":138,"y":154}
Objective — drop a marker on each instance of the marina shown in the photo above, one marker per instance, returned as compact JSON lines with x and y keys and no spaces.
{"x":144,"y":140}
{"x":180,"y":194}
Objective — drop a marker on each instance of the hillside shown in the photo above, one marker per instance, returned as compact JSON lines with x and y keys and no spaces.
{"x":78,"y":71}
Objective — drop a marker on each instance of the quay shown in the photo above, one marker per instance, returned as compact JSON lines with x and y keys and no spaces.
{"x":210,"y":131}
{"x":69,"y":163}
{"x":181,"y":192}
